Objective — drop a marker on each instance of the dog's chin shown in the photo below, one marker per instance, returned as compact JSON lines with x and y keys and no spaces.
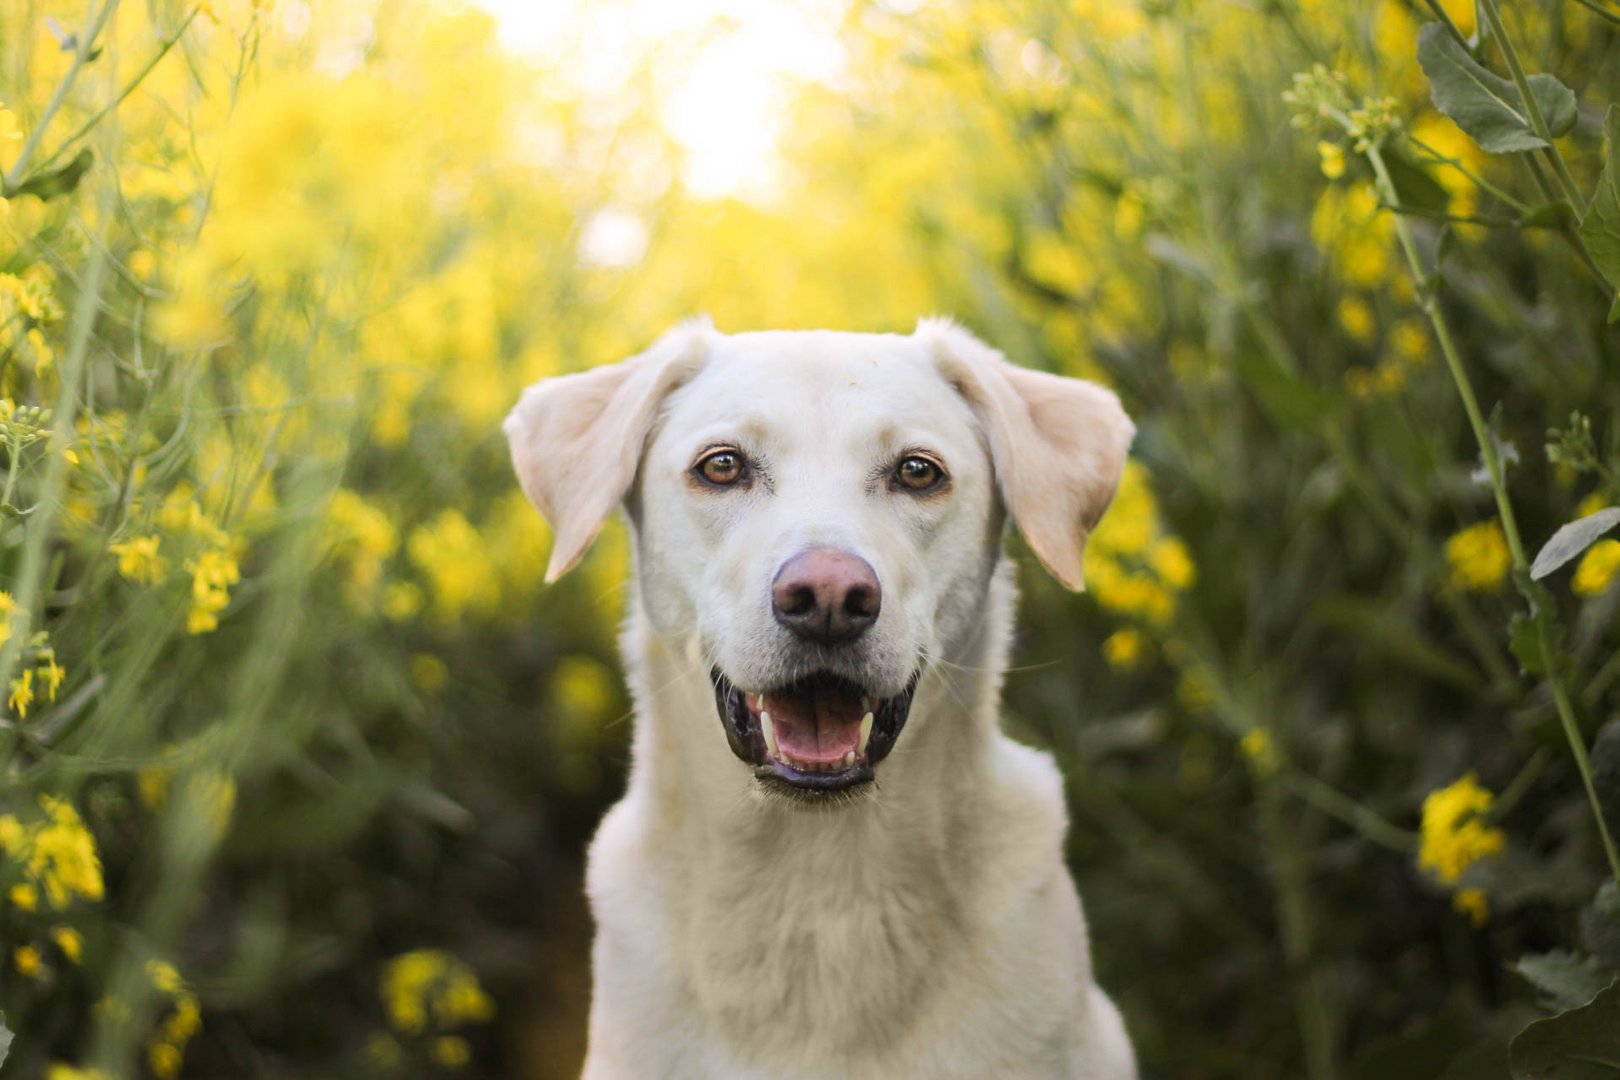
{"x":815,"y":738}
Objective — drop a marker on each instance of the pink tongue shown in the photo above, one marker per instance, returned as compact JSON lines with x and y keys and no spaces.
{"x":816,"y":726}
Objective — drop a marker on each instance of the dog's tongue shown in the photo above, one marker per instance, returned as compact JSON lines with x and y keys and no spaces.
{"x":819,"y":724}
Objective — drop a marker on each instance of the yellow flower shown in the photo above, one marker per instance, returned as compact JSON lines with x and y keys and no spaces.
{"x":1454,"y":832}
{"x":212,"y":575}
{"x":1125,"y":649}
{"x":431,"y":981}
{"x":24,"y":896}
{"x":62,"y":855}
{"x":27,"y":961}
{"x":70,"y":941}
{"x":1472,"y":902}
{"x":164,"y":976}
{"x":51,"y":676}
{"x":1172,"y":562}
{"x":8,"y":608}
{"x":1597,"y":569}
{"x":451,"y":1051}
{"x":10,"y":130}
{"x":1358,"y":320}
{"x":62,"y":1071}
{"x":1479,"y":557}
{"x":165,"y":1059}
{"x":138,"y":559}
{"x":1332,"y":155}
{"x":22,"y":693}
{"x":1260,"y":751}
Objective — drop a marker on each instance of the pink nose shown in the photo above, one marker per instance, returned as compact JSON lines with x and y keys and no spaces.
{"x":827,"y":595}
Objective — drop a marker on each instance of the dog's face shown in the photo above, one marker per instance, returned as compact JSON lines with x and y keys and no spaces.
{"x":818,"y":515}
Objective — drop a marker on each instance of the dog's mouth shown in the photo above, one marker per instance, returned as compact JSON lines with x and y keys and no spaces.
{"x":817,"y":734}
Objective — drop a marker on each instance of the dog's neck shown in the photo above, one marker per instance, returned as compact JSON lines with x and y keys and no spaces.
{"x":846,"y":904}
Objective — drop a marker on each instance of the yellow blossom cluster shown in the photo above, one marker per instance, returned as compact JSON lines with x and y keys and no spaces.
{"x":1132,"y":566}
{"x":430,"y":993}
{"x":166,"y":1047}
{"x":56,"y":854}
{"x":1455,"y":833}
{"x":1478,"y":557}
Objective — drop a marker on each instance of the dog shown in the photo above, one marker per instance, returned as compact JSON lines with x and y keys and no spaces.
{"x":830,"y":862}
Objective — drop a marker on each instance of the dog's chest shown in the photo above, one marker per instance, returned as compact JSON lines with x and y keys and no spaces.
{"x":812,"y":942}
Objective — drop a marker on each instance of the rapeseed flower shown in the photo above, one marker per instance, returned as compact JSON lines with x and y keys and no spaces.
{"x":212,"y":574}
{"x":430,"y":983}
{"x":1125,"y":649}
{"x":1478,"y":557}
{"x":1597,"y":569}
{"x":22,"y":693}
{"x":138,"y":559}
{"x":1455,"y":834}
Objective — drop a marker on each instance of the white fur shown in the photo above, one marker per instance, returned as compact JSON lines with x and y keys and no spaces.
{"x":925,"y":927}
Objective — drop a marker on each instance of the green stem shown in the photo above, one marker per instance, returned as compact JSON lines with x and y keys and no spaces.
{"x":1440,"y":12}
{"x":1532,"y":107}
{"x":1336,"y":804}
{"x":1541,"y":614}
{"x":1480,"y":181}
{"x":129,"y":88}
{"x":87,"y":41}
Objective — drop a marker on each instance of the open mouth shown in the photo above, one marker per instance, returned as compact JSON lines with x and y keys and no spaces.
{"x":819,"y":733}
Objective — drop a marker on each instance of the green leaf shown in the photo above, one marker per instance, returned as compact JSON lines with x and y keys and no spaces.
{"x":1566,"y":980}
{"x":1485,"y":105}
{"x":1414,"y":187}
{"x":1573,"y":539}
{"x":1553,"y":215}
{"x":1600,"y":228}
{"x":1581,"y":1044}
{"x":48,"y":185}
{"x":1600,"y":922}
{"x":1289,"y":400}
{"x":1525,"y":644}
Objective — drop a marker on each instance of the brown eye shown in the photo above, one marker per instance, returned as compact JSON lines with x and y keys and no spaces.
{"x":721,"y":468}
{"x":918,"y":474}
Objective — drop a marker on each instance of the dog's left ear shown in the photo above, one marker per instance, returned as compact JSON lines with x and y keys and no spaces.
{"x":576,"y":439}
{"x":1058,"y":444}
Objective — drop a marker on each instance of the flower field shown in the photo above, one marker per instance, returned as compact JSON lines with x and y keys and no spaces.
{"x":298,"y":756}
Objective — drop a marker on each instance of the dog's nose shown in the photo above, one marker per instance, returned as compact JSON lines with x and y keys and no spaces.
{"x":826,"y":595}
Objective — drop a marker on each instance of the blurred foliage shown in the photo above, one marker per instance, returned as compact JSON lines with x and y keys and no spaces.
{"x":299,"y":758}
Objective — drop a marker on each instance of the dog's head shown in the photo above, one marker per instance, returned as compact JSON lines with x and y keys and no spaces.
{"x":823,"y":511}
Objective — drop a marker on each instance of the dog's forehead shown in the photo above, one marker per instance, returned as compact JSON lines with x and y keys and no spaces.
{"x":846,"y":376}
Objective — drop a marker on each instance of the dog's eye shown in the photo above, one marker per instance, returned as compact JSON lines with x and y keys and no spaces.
{"x":721,"y":468}
{"x":915,"y":473}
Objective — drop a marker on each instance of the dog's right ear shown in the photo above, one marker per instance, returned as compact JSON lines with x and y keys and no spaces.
{"x":576,"y":439}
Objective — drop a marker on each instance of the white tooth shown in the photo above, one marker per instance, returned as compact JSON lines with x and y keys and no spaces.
{"x":866,"y":733}
{"x":849,"y":759}
{"x":766,"y":729}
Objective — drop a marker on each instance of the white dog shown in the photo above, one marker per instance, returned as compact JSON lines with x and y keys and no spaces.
{"x":830,"y":863}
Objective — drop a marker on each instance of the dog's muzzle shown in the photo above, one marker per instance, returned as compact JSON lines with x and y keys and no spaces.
{"x":821,"y":733}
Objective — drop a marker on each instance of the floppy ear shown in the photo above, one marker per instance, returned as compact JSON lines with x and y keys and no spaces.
{"x":576,"y":439}
{"x":1058,"y":444}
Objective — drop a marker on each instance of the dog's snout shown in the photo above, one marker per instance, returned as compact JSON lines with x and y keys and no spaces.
{"x":827,"y":595}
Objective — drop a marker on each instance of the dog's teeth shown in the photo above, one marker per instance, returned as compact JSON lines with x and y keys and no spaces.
{"x":849,"y":759}
{"x":866,"y":733}
{"x":769,"y":731}
{"x":866,"y":703}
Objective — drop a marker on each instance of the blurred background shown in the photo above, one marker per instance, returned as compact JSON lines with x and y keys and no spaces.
{"x":298,"y":758}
